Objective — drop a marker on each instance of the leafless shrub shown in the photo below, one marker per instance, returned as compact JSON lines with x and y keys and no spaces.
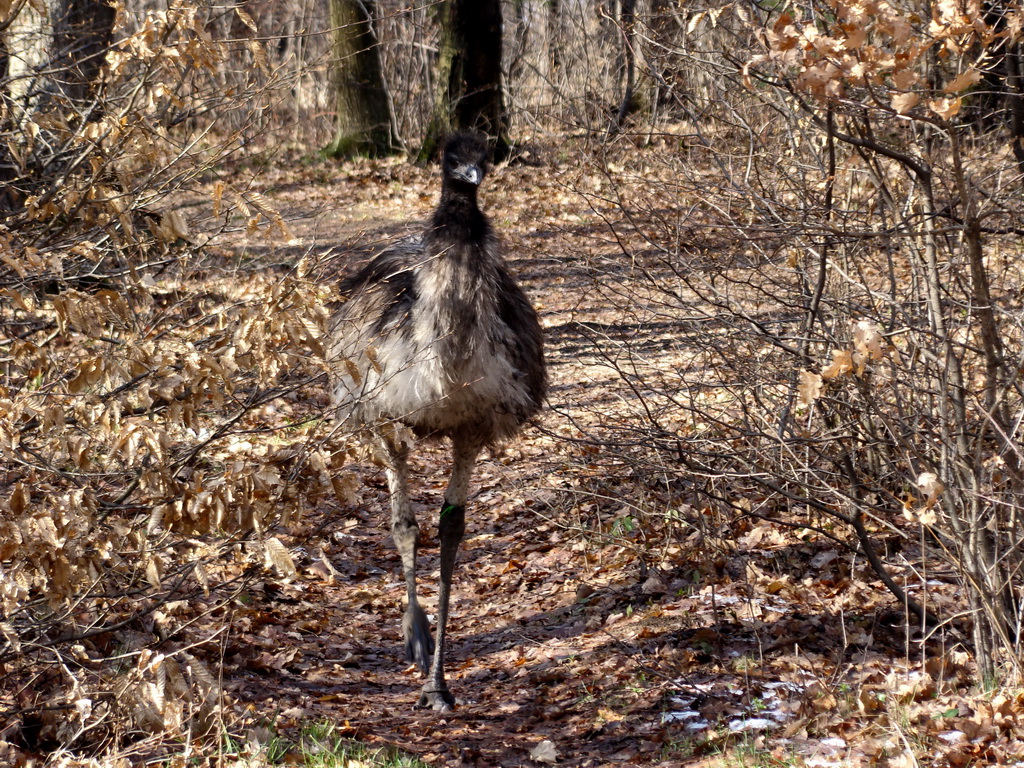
{"x":829,"y":244}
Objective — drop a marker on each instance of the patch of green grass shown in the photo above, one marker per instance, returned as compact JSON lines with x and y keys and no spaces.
{"x":322,"y":746}
{"x":743,"y":663}
{"x":748,"y":753}
{"x":623,"y":526}
{"x":678,"y":748}
{"x":721,"y":749}
{"x":272,"y":750}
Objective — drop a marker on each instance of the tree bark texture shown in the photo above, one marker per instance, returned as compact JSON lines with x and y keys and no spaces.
{"x":554,"y":39}
{"x":57,"y":55}
{"x":363,"y":124}
{"x":469,"y":91}
{"x":82,"y":33}
{"x":53,"y":54}
{"x":627,"y":19}
{"x":1015,"y":99}
{"x":28,"y":40}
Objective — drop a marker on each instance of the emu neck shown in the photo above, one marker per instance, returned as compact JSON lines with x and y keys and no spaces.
{"x":457,"y":283}
{"x":458,"y":220}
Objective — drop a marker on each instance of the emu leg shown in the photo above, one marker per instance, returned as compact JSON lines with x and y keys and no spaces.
{"x":450,"y":529}
{"x":415,"y":628}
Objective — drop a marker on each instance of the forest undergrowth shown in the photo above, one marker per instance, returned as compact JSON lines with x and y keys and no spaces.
{"x":236,"y":584}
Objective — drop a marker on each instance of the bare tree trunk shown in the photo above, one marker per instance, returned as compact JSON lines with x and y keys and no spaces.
{"x":363,"y":124}
{"x":57,"y":54}
{"x":627,"y":19}
{"x":52,"y":56}
{"x":554,"y":39}
{"x":82,"y":34}
{"x":469,"y":81}
{"x":1015,"y":99}
{"x":28,"y":40}
{"x":520,"y":37}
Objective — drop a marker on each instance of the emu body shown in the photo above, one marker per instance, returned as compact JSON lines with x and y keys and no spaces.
{"x":436,"y":336}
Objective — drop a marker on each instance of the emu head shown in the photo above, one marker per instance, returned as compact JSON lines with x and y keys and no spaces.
{"x":465,"y":159}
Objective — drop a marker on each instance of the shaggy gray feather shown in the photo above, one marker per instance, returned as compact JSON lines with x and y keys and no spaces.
{"x":437,"y":335}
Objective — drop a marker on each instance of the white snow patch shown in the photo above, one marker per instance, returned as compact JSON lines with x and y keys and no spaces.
{"x":929,"y":583}
{"x":675,"y":717}
{"x":721,"y":599}
{"x":820,"y":761}
{"x":828,"y":753}
{"x":752,"y":724}
{"x":780,"y":684}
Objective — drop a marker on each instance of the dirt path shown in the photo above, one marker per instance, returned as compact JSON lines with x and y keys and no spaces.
{"x":559,"y":632}
{"x":524,"y":652}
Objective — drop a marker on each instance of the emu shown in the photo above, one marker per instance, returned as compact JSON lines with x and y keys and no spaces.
{"x":436,"y":337}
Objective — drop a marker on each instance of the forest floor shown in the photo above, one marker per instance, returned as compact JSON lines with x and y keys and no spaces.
{"x":589,"y":626}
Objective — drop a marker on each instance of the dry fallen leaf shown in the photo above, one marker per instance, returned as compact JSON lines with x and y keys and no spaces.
{"x":963,"y":81}
{"x":278,"y":558}
{"x":842,"y":363}
{"x":809,"y":388}
{"x":545,"y":752}
{"x":654,"y":585}
{"x":904,"y":102}
{"x":945,"y":108}
{"x":931,"y":487}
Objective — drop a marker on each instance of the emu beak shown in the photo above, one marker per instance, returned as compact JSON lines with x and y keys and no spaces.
{"x":469,"y":173}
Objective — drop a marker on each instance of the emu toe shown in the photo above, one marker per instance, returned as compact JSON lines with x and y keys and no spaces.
{"x":419,"y":645}
{"x":439,"y":700}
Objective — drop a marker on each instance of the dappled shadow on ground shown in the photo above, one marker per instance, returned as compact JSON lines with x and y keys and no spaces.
{"x":607,"y":613}
{"x":548,"y":643}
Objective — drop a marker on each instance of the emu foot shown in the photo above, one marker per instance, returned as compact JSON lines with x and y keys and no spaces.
{"x":419,"y":645}
{"x":439,"y":700}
